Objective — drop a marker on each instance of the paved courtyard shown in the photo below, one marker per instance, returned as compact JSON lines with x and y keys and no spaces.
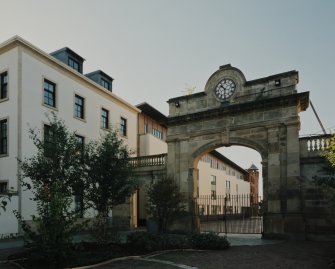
{"x":282,"y":255}
{"x":247,"y":251}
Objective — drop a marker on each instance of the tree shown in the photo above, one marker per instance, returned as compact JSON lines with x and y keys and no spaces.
{"x":4,"y":199}
{"x":109,"y":178}
{"x":51,"y":175}
{"x":330,"y":152}
{"x":166,"y":202}
{"x":327,"y":181}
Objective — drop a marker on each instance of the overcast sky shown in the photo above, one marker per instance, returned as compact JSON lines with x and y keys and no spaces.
{"x":154,"y":49}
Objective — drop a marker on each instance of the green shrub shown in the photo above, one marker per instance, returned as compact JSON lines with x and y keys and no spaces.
{"x":209,"y":240}
{"x":147,"y":242}
{"x":174,"y":241}
{"x":143,"y":241}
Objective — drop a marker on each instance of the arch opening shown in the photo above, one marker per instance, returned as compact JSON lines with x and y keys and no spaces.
{"x":229,"y":190}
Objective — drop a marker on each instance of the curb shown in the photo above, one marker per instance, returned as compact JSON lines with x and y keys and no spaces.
{"x":108,"y":261}
{"x":144,"y":257}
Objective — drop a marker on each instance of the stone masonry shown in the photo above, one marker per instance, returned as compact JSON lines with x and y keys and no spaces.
{"x":261,"y":114}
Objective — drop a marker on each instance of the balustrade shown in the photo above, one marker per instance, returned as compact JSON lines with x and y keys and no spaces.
{"x":152,"y":160}
{"x":316,"y":143}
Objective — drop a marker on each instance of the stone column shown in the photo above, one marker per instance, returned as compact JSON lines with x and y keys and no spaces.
{"x":186,"y":177}
{"x":294,"y":221}
{"x":273,"y":221}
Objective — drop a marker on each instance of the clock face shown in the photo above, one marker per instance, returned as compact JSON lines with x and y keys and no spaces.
{"x":225,"y":89}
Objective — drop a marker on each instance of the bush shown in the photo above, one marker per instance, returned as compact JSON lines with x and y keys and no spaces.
{"x":209,"y":240}
{"x":143,"y":241}
{"x":147,"y":242}
{"x":165,"y":203}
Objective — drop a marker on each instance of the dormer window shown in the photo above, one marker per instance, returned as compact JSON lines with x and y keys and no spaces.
{"x":101,"y":78}
{"x":104,"y":83}
{"x":70,"y":58}
{"x":74,"y":64}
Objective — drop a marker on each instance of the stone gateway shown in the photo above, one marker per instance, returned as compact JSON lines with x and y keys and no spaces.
{"x":261,"y":114}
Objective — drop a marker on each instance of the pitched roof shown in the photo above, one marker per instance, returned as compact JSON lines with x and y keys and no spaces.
{"x":227,"y":161}
{"x":153,"y":113}
{"x":252,"y":167}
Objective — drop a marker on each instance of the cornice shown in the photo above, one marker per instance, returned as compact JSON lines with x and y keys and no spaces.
{"x":19,"y":41}
{"x":301,"y":99}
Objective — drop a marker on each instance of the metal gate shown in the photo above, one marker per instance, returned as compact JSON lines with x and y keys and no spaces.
{"x":240,"y":214}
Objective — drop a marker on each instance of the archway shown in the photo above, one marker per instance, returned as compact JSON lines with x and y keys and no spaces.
{"x":261,"y":114}
{"x":230,"y":188}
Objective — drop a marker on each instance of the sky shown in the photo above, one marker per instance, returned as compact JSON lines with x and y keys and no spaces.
{"x":155,"y":49}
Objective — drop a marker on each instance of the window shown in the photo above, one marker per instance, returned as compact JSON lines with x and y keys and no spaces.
{"x":79,"y":203}
{"x":79,"y":107}
{"x":213,"y":194}
{"x":3,"y":186}
{"x":73,"y":64}
{"x":145,"y":128}
{"x":213,"y":187}
{"x":104,"y":83}
{"x":78,"y":191}
{"x":81,"y":142}
{"x":104,"y":118}
{"x":49,"y":93}
{"x":213,"y":180}
{"x":227,"y":184}
{"x":47,"y":140}
{"x":3,"y":137}
{"x":123,"y":127}
{"x":157,"y":133}
{"x":3,"y":85}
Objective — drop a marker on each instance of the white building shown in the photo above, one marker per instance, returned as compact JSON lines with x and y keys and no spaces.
{"x":221,"y":179}
{"x":220,"y":176}
{"x":33,"y":84}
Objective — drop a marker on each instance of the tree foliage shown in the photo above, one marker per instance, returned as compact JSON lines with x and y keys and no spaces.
{"x":4,"y":199}
{"x":51,"y":175}
{"x":165,"y":202}
{"x":330,"y":152}
{"x":109,"y":179}
{"x":327,"y":181}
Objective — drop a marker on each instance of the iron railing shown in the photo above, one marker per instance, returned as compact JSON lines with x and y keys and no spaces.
{"x":230,"y":213}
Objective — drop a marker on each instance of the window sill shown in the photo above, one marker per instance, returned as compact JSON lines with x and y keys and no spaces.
{"x":10,"y":193}
{"x":50,"y":107}
{"x":4,"y":155}
{"x":83,"y":120}
{"x":4,"y":99}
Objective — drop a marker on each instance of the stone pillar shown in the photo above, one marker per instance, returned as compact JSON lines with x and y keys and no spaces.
{"x":186,"y":177}
{"x":282,"y":187}
{"x":294,"y":221}
{"x":273,"y":221}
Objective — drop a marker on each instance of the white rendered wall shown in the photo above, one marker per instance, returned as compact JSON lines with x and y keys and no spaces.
{"x":151,"y":145}
{"x":35,"y":113}
{"x":35,"y":69}
{"x":205,"y":172}
{"x":8,"y":163}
